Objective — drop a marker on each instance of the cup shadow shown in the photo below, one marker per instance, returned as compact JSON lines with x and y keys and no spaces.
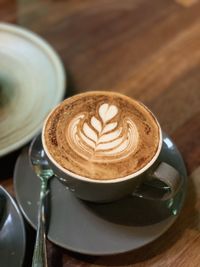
{"x":132,"y":211}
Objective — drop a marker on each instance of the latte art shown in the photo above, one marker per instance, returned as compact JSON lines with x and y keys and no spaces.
{"x":101,"y":135}
{"x":100,"y":138}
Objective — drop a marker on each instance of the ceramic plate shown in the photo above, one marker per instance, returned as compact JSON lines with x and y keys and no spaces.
{"x":32,"y":82}
{"x":12,"y":232}
{"x":99,"y":229}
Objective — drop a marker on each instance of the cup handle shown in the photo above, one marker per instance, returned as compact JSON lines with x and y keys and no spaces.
{"x":164,"y":178}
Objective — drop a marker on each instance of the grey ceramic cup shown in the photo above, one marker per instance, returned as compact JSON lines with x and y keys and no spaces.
{"x":154,"y":175}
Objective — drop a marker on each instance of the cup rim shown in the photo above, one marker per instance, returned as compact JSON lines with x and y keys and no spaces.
{"x":105,"y":181}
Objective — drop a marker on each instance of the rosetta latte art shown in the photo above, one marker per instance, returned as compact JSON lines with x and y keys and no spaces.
{"x":100,"y":138}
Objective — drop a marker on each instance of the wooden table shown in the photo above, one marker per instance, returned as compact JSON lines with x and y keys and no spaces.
{"x":149,"y":50}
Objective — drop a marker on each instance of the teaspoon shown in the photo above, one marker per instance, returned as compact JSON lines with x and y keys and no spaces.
{"x":44,"y":172}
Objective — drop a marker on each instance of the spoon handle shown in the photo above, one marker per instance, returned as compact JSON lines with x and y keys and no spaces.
{"x":40,"y":252}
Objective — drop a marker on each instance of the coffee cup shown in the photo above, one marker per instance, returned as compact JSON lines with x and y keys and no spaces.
{"x":104,"y":146}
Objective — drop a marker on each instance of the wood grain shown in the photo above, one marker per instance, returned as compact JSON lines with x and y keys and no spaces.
{"x":186,"y":3}
{"x":149,"y":50}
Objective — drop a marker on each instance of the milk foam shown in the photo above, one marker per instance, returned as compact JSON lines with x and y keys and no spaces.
{"x":100,"y":138}
{"x":102,"y":135}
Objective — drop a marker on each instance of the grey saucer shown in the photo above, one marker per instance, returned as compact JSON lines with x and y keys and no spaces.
{"x":100,"y":229}
{"x":12,"y":232}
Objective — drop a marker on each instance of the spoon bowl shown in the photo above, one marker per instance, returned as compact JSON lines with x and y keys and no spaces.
{"x":39,"y":160}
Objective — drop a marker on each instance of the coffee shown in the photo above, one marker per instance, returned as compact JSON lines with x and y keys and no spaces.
{"x":101,"y":135}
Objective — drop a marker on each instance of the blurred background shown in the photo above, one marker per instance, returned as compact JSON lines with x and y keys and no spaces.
{"x":149,"y":50}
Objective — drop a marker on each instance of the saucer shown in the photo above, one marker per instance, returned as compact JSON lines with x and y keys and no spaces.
{"x":32,"y":82}
{"x":12,"y":232}
{"x":100,"y":229}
